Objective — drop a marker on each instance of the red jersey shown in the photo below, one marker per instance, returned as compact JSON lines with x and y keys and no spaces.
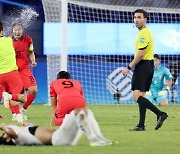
{"x":22,"y":48}
{"x":65,"y":88}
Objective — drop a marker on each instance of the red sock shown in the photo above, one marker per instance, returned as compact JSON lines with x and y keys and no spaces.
{"x":14,"y":109}
{"x":15,"y":97}
{"x":30,"y":99}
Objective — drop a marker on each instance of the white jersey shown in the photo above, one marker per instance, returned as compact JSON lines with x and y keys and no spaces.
{"x":24,"y":136}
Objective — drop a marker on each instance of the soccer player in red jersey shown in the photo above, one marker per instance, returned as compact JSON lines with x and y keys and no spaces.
{"x":66,"y":95}
{"x":10,"y":79}
{"x":23,"y":46}
{"x":1,"y":91}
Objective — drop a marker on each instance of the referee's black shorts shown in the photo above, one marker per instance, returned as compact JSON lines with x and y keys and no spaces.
{"x":142,"y":76}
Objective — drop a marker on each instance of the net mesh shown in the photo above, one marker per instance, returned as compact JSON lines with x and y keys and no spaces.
{"x":100,"y":74}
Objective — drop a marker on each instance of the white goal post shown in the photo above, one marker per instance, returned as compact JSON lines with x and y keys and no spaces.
{"x":97,"y":40}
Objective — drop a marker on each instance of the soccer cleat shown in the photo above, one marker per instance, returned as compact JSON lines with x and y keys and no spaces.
{"x":161,"y":120}
{"x":137,"y":128}
{"x":101,"y":143}
{"x":25,"y":117}
{"x":6,"y":97}
{"x":103,"y":138}
{"x":20,"y":119}
{"x":23,"y":113}
{"x":14,"y":117}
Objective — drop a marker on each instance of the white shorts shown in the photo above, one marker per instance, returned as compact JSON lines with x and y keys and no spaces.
{"x":68,"y":133}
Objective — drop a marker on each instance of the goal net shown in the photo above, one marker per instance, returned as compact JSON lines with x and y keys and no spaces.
{"x":100,"y":43}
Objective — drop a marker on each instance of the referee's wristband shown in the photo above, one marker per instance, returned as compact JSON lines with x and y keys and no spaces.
{"x":129,"y":68}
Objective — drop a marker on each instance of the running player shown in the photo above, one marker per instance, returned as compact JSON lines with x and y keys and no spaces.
{"x":10,"y":79}
{"x":23,"y":46}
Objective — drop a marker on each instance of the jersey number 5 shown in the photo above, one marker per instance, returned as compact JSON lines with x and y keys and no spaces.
{"x":67,"y":84}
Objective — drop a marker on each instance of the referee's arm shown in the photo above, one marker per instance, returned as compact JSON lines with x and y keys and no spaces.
{"x":135,"y":61}
{"x":138,"y":58}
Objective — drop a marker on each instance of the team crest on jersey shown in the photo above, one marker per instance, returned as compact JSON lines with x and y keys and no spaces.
{"x":142,"y":40}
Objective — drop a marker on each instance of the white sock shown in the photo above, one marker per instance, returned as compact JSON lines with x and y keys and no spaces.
{"x":23,"y":110}
{"x":19,"y":118}
{"x":10,"y":96}
{"x":95,"y":126}
{"x":86,"y":128}
{"x":68,"y":133}
{"x":14,"y":115}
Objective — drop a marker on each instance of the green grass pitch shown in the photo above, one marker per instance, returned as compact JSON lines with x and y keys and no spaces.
{"x":114,"y":121}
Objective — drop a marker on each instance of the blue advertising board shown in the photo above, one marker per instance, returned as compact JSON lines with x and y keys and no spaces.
{"x":109,"y":38}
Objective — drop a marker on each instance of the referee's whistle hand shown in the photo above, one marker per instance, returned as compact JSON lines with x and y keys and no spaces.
{"x":125,"y":71}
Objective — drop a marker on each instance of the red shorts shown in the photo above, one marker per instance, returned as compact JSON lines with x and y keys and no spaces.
{"x":27,"y":78}
{"x":1,"y":91}
{"x":11,"y":82}
{"x":66,"y":105}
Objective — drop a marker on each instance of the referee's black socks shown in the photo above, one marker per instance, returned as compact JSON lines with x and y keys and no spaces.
{"x":149,"y":105}
{"x":142,"y":113}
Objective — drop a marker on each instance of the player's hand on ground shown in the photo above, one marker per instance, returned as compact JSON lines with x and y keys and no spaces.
{"x":163,"y":93}
{"x":148,"y":93}
{"x":125,"y":71}
{"x":33,"y":64}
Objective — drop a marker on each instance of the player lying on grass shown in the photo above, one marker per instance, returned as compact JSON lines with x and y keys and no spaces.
{"x":77,"y":122}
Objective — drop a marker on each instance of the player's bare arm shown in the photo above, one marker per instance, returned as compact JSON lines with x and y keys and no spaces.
{"x":53,"y":109}
{"x":32,"y":58}
{"x":9,"y":131}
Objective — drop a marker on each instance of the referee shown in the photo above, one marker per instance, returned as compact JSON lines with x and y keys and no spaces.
{"x":143,"y":72}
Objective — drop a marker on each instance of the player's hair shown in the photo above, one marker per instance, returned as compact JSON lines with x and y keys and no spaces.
{"x":17,"y":24}
{"x":63,"y":75}
{"x":156,"y":56}
{"x":145,"y":14}
{"x":4,"y":142}
{"x":1,"y":26}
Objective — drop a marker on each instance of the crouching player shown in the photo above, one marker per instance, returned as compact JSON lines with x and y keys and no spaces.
{"x":66,"y":95}
{"x":79,"y":121}
{"x":157,"y":93}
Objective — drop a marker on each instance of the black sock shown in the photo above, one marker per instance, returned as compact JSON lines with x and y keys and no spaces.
{"x":142,"y":113}
{"x":149,"y":105}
